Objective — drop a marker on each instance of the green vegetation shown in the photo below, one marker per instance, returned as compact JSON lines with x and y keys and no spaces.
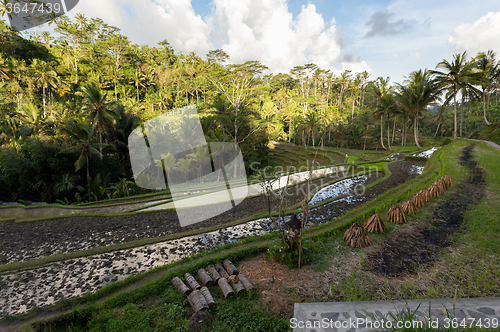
{"x":68,"y":102}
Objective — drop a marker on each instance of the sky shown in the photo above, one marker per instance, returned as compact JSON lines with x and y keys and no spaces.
{"x":385,"y":38}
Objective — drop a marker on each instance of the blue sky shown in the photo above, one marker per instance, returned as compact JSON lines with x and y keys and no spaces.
{"x":385,"y":38}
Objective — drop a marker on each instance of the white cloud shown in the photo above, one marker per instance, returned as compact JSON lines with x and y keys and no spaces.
{"x":356,"y":67}
{"x":265,"y":30}
{"x":480,"y":36}
{"x":148,"y":22}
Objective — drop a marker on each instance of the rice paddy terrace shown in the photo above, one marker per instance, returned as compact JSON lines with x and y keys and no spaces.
{"x":53,"y":259}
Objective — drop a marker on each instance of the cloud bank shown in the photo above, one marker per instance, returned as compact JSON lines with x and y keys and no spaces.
{"x":480,"y":36}
{"x":246,"y":30}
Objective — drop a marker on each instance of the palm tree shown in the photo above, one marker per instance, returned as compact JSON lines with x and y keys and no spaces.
{"x":98,"y":108}
{"x":184,"y":165}
{"x":385,"y":107}
{"x":310,"y":124}
{"x":44,"y":77}
{"x":420,"y":90}
{"x":468,"y":92}
{"x":66,"y":184}
{"x":200,"y":156}
{"x":6,"y":9}
{"x":364,"y":121}
{"x":81,"y":134}
{"x":440,"y":117}
{"x":383,"y":101}
{"x":454,"y":75}
{"x":32,"y":116}
{"x":488,"y":69}
{"x":137,"y":80}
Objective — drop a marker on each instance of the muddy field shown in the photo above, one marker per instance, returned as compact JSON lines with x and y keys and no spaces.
{"x":31,"y":240}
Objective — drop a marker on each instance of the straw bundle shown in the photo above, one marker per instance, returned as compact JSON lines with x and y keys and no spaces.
{"x":356,"y":236}
{"x":436,"y":190}
{"x":375,"y":224}
{"x":448,"y":180}
{"x":396,"y":215}
{"x":409,"y":207}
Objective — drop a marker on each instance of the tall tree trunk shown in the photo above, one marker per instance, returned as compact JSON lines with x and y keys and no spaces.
{"x":88,"y":174}
{"x":484,"y":108}
{"x":462,"y":115}
{"x":100,"y":139}
{"x":415,"y":131}
{"x":43,"y":89}
{"x":382,"y":131}
{"x":455,"y":112}
{"x":393,"y":131}
{"x":439,"y":123}
{"x":352,"y":111}
{"x":389,"y":133}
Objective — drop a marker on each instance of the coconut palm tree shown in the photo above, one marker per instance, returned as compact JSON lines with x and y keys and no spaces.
{"x":80,"y":133}
{"x":67,"y":183}
{"x":200,"y":156}
{"x":440,"y":117}
{"x":44,"y":77}
{"x":31,"y":115}
{"x":99,"y":111}
{"x":454,"y":74}
{"x":184,"y":165}
{"x":420,"y":90}
{"x":310,"y":125}
{"x":489,"y":70}
{"x":383,"y":101}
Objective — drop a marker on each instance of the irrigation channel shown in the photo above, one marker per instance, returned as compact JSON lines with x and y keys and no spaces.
{"x":25,"y":290}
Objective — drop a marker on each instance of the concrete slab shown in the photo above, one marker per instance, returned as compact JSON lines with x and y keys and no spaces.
{"x":380,"y":315}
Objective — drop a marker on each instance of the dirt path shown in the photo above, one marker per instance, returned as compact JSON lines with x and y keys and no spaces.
{"x":490,"y":143}
{"x":411,"y":248}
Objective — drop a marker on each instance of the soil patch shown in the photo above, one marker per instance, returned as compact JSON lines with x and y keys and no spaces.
{"x":410,"y":249}
{"x":280,"y":286}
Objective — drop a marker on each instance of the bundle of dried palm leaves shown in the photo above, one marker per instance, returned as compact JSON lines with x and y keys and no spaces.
{"x":425,"y":194}
{"x":375,"y":224}
{"x":418,"y":201}
{"x":420,"y":198}
{"x":441,"y":183}
{"x":436,"y":190}
{"x":448,"y":180}
{"x":409,"y":207}
{"x":396,"y":215}
{"x":357,"y":237}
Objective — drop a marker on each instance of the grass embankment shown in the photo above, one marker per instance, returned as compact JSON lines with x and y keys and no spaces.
{"x":471,"y":267}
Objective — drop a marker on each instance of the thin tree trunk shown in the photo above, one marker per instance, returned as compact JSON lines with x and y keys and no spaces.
{"x":439,"y":123}
{"x":484,"y":108}
{"x":455,"y":112}
{"x":415,"y":131}
{"x":389,"y":134}
{"x":393,"y":131}
{"x":382,"y":131}
{"x":461,"y":115}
